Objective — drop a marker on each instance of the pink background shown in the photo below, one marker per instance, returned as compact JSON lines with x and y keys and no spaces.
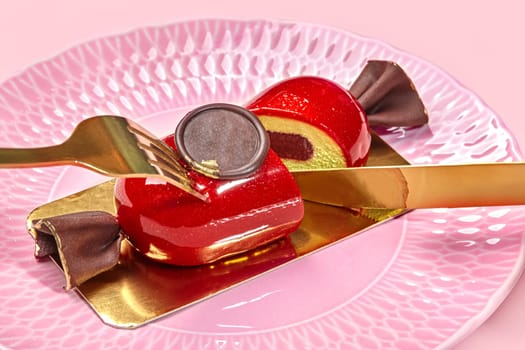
{"x":479,"y":43}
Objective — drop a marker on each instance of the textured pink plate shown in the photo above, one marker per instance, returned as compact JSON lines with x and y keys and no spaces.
{"x":422,"y":281}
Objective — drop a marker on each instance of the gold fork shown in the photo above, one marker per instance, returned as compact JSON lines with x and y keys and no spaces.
{"x":109,"y":145}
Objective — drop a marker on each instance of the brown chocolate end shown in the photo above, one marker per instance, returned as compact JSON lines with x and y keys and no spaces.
{"x":388,"y":96}
{"x":222,"y":140}
{"x":87,"y":243}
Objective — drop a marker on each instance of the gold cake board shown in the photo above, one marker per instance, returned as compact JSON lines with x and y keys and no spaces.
{"x":139,"y":290}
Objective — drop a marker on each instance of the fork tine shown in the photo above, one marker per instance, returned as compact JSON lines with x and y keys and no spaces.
{"x":172,"y":174}
{"x":155,"y":145}
{"x":162,"y":153}
{"x":164,"y":159}
{"x":165,"y":154}
{"x":166,"y":169}
{"x":175,"y":179}
{"x":138,"y":130}
{"x":161,"y":145}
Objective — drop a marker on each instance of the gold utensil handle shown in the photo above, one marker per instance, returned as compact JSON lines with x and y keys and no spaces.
{"x":416,"y":186}
{"x":34,"y":157}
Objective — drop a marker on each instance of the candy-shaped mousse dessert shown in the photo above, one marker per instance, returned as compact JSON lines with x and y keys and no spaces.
{"x":314,"y":122}
{"x":223,"y":152}
{"x":252,"y":198}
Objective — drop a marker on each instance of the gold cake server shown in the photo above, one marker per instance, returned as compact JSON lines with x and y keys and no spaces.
{"x":138,"y":291}
{"x":416,"y":186}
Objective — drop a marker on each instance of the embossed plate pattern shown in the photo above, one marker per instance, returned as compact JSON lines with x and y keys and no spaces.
{"x":422,"y":281}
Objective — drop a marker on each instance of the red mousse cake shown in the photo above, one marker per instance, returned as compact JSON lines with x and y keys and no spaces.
{"x":313,"y":123}
{"x":242,"y":212}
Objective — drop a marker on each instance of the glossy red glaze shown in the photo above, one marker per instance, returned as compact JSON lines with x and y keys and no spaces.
{"x":169,"y":225}
{"x":324,"y":104}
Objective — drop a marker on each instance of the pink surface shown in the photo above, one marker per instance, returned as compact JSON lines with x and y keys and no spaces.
{"x":470,"y":42}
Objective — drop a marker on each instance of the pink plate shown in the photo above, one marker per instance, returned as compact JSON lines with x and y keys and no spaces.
{"x":422,"y":281}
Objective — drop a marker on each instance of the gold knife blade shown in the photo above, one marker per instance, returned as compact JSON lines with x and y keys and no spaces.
{"x":416,"y":186}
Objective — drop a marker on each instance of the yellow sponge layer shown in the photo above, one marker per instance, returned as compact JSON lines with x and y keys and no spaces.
{"x":326,"y":152}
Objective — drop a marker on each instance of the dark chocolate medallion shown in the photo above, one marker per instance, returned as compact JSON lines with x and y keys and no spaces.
{"x":222,"y":141}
